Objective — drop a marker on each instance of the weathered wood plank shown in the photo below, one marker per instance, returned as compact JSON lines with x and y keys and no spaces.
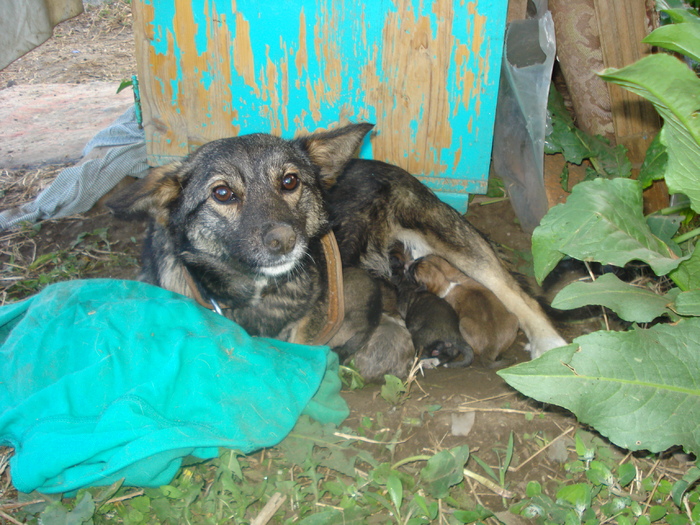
{"x":623,"y":25}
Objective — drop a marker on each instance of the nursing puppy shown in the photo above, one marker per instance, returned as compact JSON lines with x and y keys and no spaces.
{"x":431,"y":321}
{"x":242,"y":224}
{"x":484,"y":321}
{"x":434,"y":327}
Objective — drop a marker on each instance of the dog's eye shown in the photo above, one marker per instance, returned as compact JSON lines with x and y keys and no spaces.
{"x":290,"y":181}
{"x":223,"y":194}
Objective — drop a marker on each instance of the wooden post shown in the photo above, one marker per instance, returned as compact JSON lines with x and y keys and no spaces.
{"x":623,"y":24}
{"x":619,"y":26}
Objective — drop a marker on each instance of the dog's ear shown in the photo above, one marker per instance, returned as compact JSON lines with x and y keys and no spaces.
{"x":331,"y":150}
{"x":150,"y":196}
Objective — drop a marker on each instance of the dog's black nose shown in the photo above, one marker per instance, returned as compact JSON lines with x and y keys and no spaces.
{"x":279,"y":239}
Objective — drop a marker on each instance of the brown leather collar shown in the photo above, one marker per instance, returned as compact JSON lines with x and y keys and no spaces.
{"x":335,"y":311}
{"x":196,"y":294}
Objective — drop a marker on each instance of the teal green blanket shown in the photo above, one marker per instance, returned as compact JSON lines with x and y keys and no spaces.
{"x":102,"y":380}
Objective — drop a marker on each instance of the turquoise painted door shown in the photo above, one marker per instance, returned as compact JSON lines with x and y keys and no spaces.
{"x":425,"y":72}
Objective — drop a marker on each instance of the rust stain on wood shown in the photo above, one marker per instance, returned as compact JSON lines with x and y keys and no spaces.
{"x":478,"y":34}
{"x":204,"y":94}
{"x":326,"y":90}
{"x":270,"y":92}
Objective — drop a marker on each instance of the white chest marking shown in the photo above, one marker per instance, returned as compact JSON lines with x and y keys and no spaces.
{"x":447,"y":290}
{"x":260,"y":285}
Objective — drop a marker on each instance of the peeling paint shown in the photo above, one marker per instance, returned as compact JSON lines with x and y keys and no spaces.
{"x":243,"y":58}
{"x":301,"y":60}
{"x":422,"y":70}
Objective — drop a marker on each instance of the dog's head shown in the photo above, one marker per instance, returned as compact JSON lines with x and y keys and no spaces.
{"x":254,"y":200}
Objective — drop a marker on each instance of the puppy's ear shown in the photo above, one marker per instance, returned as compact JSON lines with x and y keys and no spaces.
{"x":150,"y":196}
{"x":331,"y":150}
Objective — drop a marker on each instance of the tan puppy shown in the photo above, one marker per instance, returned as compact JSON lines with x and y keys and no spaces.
{"x":484,"y":321}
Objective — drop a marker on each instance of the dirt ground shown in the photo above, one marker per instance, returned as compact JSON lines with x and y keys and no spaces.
{"x":476,"y":406}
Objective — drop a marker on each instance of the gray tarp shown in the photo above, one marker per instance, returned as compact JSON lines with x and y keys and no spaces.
{"x":78,"y":188}
{"x":25,"y":24}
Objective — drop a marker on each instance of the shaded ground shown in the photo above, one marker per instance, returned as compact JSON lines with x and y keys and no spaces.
{"x":445,"y":408}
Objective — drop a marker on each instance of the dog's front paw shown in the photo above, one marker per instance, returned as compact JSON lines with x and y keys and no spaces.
{"x":542,"y":345}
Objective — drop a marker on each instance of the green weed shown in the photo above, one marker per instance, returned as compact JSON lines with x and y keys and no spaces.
{"x":90,"y":254}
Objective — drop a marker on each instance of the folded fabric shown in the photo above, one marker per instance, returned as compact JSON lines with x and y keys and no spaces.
{"x":103,"y":379}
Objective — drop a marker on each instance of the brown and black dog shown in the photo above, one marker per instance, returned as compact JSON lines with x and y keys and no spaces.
{"x":485,"y":323}
{"x":241,"y":224}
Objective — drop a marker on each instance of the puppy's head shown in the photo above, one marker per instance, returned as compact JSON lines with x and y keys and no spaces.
{"x":254,"y":200}
{"x":399,"y":259}
{"x":429,"y":275}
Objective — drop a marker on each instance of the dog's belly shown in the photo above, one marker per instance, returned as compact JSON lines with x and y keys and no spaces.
{"x":414,"y":243}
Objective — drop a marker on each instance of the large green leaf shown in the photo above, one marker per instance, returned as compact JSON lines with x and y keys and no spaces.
{"x":639,"y":388}
{"x":683,"y":38}
{"x":565,"y":138}
{"x":601,"y":221}
{"x":655,"y":163}
{"x":687,"y":275}
{"x":665,"y":227}
{"x":675,"y":92}
{"x":444,"y":470}
{"x":631,"y":303}
{"x":676,"y":11}
{"x":688,"y":303}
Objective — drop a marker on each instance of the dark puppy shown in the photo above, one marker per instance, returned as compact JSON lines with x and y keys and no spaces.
{"x":242,"y":224}
{"x":431,"y":321}
{"x":434,"y":326}
{"x":484,"y":322}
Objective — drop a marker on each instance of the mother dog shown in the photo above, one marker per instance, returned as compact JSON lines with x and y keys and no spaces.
{"x":242,"y":224}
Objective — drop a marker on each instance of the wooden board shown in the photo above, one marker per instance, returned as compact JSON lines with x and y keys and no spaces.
{"x":425,"y":72}
{"x":623,"y":24}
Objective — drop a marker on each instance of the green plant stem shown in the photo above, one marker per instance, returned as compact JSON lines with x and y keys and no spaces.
{"x":501,"y":491}
{"x":688,"y":235}
{"x":597,"y":166}
{"x":493,"y":201}
{"x":412,"y":459}
{"x":672,"y":209}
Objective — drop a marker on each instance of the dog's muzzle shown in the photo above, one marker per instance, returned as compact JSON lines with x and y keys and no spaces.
{"x":283,"y":249}
{"x":279,"y":239}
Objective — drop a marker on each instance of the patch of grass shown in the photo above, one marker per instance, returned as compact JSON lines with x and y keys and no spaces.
{"x":598,"y":489}
{"x":320,"y":474}
{"x":23,"y":272}
{"x":19,"y":186}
